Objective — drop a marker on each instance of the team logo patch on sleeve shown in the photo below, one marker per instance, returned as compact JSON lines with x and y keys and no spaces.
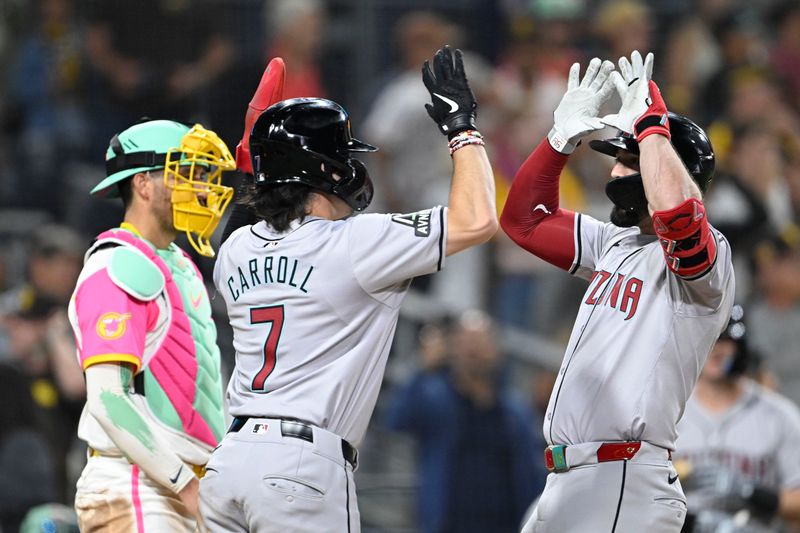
{"x":420,"y":221}
{"x":112,"y":325}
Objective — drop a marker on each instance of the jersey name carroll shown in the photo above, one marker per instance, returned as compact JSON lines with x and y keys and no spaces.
{"x":268,"y":269}
{"x":314,"y":309}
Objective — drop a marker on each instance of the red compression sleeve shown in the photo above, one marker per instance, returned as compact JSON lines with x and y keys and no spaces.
{"x":531,"y":216}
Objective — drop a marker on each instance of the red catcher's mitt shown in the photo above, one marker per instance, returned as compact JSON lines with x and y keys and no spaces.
{"x":269,"y":91}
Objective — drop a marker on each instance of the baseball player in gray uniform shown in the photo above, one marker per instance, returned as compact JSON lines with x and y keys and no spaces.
{"x":738,"y":448}
{"x":313,"y":295}
{"x":660,"y":290}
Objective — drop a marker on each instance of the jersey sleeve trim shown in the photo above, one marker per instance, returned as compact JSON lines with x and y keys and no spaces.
{"x":113,"y":358}
{"x":441,"y":239}
{"x":579,"y":244}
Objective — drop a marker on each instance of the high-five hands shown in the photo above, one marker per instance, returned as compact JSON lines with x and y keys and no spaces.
{"x":453,"y":105}
{"x":577,"y":113}
{"x":643,"y":111}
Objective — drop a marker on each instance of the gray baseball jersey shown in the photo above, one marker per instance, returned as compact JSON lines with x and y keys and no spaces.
{"x":640,"y":338}
{"x":758,"y":438}
{"x":314,"y":312}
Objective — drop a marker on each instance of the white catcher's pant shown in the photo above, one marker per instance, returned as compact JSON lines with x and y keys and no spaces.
{"x":115,"y":496}
{"x":615,"y":497}
{"x":260,"y":481}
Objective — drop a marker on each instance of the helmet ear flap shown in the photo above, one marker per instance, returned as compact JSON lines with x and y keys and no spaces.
{"x":356,"y":189}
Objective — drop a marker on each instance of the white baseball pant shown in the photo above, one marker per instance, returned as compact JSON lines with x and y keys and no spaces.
{"x":114,"y":495}
{"x":628,"y":496}
{"x":261,"y":481}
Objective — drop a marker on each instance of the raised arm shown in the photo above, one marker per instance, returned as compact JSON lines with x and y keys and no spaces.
{"x":268,"y":92}
{"x":531,"y":216}
{"x":674,"y":199}
{"x":667,"y":183}
{"x":471,"y":215}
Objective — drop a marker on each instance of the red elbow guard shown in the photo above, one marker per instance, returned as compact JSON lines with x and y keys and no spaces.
{"x":689,"y":246}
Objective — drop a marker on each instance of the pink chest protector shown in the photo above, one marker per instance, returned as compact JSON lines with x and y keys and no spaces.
{"x":174,"y":365}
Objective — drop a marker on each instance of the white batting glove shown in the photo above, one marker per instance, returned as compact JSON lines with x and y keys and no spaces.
{"x":632,"y":82}
{"x":576,"y":114}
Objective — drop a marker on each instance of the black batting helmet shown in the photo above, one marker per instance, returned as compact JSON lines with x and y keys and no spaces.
{"x":690,"y":142}
{"x":736,"y":331}
{"x":308,"y":141}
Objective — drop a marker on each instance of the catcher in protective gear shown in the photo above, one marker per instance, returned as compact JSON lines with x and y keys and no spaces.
{"x":192,"y":160}
{"x":154,"y":403}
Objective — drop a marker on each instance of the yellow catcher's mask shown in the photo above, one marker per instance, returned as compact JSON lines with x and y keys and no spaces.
{"x":194,"y":173}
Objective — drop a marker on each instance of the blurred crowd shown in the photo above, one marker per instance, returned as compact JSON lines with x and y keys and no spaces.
{"x":78,"y":71}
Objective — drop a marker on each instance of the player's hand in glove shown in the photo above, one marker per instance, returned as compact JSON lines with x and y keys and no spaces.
{"x":643,"y":111}
{"x":454,"y":107}
{"x":576,"y":114}
{"x":730,"y":492}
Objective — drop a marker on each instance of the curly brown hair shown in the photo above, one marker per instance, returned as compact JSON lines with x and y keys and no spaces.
{"x":278,"y":205}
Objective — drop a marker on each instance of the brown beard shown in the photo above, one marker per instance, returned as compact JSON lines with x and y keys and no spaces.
{"x":628,"y":218}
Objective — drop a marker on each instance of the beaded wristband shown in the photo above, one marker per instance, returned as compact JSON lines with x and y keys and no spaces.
{"x":465,"y":138}
{"x":459,"y":146}
{"x":466,"y":133}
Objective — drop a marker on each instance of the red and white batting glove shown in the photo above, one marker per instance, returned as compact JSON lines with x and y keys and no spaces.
{"x":643,"y":111}
{"x":655,"y":119}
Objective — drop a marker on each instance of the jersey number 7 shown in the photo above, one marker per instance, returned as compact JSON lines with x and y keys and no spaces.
{"x":273,"y":316}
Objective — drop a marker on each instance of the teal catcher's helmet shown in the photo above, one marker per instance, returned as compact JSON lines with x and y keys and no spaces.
{"x":140,"y":148}
{"x":193,"y":160}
